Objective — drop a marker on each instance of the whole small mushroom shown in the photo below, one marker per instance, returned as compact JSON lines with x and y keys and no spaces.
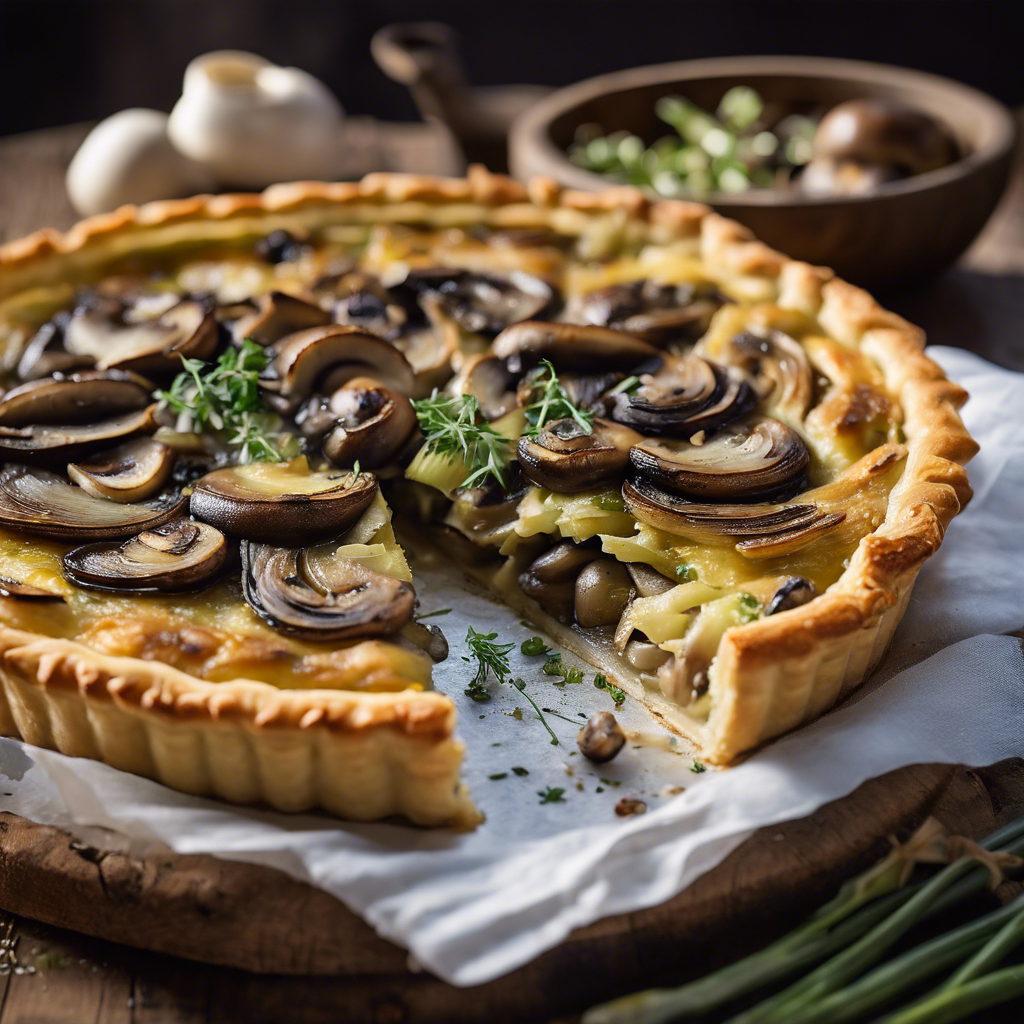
{"x":884,"y":137}
{"x":601,"y":738}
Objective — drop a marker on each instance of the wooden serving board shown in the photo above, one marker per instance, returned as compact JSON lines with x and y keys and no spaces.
{"x":260,"y":920}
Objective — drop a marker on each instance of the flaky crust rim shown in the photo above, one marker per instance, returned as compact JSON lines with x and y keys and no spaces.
{"x":933,"y":489}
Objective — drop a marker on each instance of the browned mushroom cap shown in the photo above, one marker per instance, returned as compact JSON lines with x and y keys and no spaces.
{"x":270,"y":501}
{"x":765,"y":461}
{"x":80,"y":398}
{"x":180,"y":555}
{"x":372,"y":422}
{"x":151,"y":346}
{"x":483,"y":303}
{"x":133,"y":471}
{"x":710,"y":524}
{"x":778,"y":366}
{"x":570,"y":347}
{"x":651,"y":310}
{"x":884,"y":131}
{"x":25,"y":591}
{"x":41,"y":503}
{"x":352,"y":602}
{"x":686,"y":395}
{"x":324,"y":358}
{"x":276,"y":315}
{"x":566,"y":458}
{"x":49,"y":443}
{"x":794,"y":593}
{"x":562,"y":562}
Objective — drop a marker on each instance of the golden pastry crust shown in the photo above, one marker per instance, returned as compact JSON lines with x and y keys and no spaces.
{"x":770,"y":675}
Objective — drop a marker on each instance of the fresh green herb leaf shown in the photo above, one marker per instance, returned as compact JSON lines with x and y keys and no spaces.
{"x":574,"y":675}
{"x":534,"y":647}
{"x":477,"y":690}
{"x":600,"y":789}
{"x":697,"y":768}
{"x":549,"y":402}
{"x":610,"y":503}
{"x":552,"y":795}
{"x":491,"y":659}
{"x":616,"y":694}
{"x":225,"y":398}
{"x":520,"y":685}
{"x":520,"y":771}
{"x":749,"y":608}
{"x":497,"y":776}
{"x":453,"y":425}
{"x":685,"y":572}
{"x":553,"y":666}
{"x":356,"y":471}
{"x":612,"y":782}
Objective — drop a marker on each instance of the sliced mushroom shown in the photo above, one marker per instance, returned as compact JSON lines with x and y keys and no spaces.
{"x":50,"y":443}
{"x":427,"y":638}
{"x":357,"y":603}
{"x":779,"y":545}
{"x":649,"y":582}
{"x":483,"y":303}
{"x":270,"y":502}
{"x":557,"y":599}
{"x":796,"y":591}
{"x":571,"y":347}
{"x":106,"y":333}
{"x":26,"y":592}
{"x":652,"y":310}
{"x":760,"y":462}
{"x":38,"y":502}
{"x":372,"y":422}
{"x":133,"y":471}
{"x":778,"y":366}
{"x":685,"y":396}
{"x":324,"y":358}
{"x":489,"y":381}
{"x":603,"y":590}
{"x":85,"y":397}
{"x":362,"y":301}
{"x":277,"y":314}
{"x":44,"y":352}
{"x":180,"y":555}
{"x":280,"y":247}
{"x":566,"y":458}
{"x":715,"y":523}
{"x":432,"y":349}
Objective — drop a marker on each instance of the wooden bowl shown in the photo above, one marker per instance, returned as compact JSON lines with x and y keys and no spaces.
{"x":898,"y":233}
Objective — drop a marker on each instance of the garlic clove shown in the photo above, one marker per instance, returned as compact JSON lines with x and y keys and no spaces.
{"x":128,"y":158}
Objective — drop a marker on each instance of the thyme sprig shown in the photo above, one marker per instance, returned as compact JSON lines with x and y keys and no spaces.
{"x":550,"y":402}
{"x":224,"y":397}
{"x":492,"y":659}
{"x":454,"y":425}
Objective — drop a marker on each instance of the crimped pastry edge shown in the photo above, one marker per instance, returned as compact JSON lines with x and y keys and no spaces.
{"x":770,"y":675}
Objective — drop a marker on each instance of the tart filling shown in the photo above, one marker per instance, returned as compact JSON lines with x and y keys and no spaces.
{"x":645,"y":449}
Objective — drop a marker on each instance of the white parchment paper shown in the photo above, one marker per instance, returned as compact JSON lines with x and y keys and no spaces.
{"x":472,"y":907}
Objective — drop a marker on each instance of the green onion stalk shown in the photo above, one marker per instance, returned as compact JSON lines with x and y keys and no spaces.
{"x":845,"y":937}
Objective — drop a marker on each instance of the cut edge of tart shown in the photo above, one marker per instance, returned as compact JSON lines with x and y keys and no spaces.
{"x":369,"y":755}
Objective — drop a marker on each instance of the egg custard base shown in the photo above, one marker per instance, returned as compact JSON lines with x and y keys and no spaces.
{"x":367,"y":755}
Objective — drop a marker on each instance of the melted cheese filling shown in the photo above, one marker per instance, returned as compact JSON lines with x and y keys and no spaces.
{"x":214,"y":635}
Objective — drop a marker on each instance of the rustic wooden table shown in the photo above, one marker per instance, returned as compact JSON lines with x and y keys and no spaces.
{"x":66,"y":978}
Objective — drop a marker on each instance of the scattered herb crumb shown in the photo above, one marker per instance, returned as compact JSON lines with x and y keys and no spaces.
{"x":518,"y":714}
{"x":616,"y":694}
{"x":630,"y":805}
{"x":697,"y":767}
{"x":498,"y":775}
{"x":534,"y":647}
{"x":431,"y":615}
{"x":519,"y":771}
{"x":686,"y":573}
{"x":611,"y":782}
{"x":552,"y":795}
{"x":553,"y":666}
{"x":600,"y":789}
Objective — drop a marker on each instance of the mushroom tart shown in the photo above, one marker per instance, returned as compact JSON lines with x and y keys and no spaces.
{"x":711,"y":471}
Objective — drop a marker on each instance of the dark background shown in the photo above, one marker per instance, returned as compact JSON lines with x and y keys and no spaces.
{"x":74,"y":60}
